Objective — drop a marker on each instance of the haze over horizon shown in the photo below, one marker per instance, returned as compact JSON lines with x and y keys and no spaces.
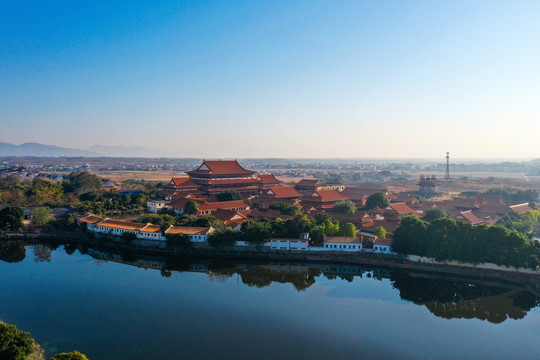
{"x":306,"y":79}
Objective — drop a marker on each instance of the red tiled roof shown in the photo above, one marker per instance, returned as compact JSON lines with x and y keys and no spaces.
{"x":268,"y":179}
{"x":188,"y":230}
{"x":119,"y":224}
{"x":183,"y":182}
{"x":220,"y":167}
{"x":151,"y":228}
{"x":90,"y":219}
{"x":228,"y":216}
{"x":309,"y":182}
{"x":284,"y":192}
{"x":232,"y":181}
{"x":243,"y":188}
{"x":383,"y":242}
{"x":358,"y":193}
{"x":180,"y":202}
{"x":329,"y":195}
{"x":342,"y":240}
{"x":223,"y":205}
{"x":521,"y":208}
{"x":470,"y":217}
{"x":401,"y":208}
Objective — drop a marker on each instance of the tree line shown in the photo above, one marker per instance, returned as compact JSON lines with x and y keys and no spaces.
{"x":448,"y":239}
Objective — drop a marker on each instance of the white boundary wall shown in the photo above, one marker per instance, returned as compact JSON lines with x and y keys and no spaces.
{"x":488,"y":266}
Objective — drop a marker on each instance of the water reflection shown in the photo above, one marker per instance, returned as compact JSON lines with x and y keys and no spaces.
{"x":12,"y":253}
{"x":444,"y":297}
{"x":458,"y":299}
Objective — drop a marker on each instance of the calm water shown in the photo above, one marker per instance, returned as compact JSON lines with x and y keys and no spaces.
{"x":92,"y":302}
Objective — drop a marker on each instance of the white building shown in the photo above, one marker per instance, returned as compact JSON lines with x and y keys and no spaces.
{"x":290,"y":244}
{"x":383,"y":246}
{"x":339,"y":243}
{"x":151,"y":232}
{"x":90,"y":220}
{"x":196,"y":234}
{"x":155,"y":205}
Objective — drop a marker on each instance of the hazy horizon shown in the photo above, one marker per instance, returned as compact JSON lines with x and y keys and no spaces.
{"x":306,"y":79}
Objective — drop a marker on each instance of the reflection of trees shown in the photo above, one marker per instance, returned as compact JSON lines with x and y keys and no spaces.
{"x":42,"y":253}
{"x":70,"y":249}
{"x":453,"y":299}
{"x":13,"y":253}
{"x":261,"y":276}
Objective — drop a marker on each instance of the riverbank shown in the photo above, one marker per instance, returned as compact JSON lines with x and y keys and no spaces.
{"x":532,"y":281}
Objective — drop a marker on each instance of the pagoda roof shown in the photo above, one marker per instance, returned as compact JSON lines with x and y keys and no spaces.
{"x":182,"y":182}
{"x":284,"y":192}
{"x":268,"y":179}
{"x":220,"y":167}
{"x":331,"y":195}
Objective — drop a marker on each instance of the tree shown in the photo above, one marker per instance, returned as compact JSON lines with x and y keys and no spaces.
{"x":11,"y":218}
{"x":317,"y":237}
{"x":42,"y":216}
{"x":284,"y":208}
{"x":377,"y":200}
{"x":256,"y":232}
{"x":229,"y":195}
{"x":380,"y":233}
{"x":178,"y":240}
{"x":13,"y":253}
{"x":75,"y":355}
{"x":228,"y":237}
{"x":434,"y":214}
{"x":330,"y":228}
{"x":191,"y":207}
{"x":14,"y":344}
{"x":80,"y":182}
{"x":344,"y":207}
{"x":348,"y":230}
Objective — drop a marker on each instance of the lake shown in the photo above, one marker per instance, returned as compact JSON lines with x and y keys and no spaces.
{"x":119,"y":306}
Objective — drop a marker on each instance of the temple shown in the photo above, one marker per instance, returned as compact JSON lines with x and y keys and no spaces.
{"x":216,"y":176}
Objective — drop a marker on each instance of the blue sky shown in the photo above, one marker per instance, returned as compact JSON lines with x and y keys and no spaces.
{"x":274,"y":78}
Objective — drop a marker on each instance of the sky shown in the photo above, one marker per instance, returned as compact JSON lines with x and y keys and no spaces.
{"x":315,"y":79}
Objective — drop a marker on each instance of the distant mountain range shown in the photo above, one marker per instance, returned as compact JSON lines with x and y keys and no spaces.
{"x":36,"y":149}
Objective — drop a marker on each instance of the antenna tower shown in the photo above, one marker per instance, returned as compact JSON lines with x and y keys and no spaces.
{"x":447,"y":177}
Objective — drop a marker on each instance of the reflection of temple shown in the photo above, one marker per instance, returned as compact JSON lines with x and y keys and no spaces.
{"x":443,"y":297}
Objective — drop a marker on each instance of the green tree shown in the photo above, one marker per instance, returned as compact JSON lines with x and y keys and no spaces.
{"x":42,"y":216}
{"x":181,"y":240}
{"x":330,"y":228}
{"x":284,"y":208}
{"x":227,"y":237}
{"x":229,"y":195}
{"x":348,"y":230}
{"x":380,"y":232}
{"x":344,"y":207}
{"x":14,"y":344}
{"x":80,"y":182}
{"x":317,"y":237}
{"x":256,"y":232}
{"x":191,"y":207}
{"x":434,"y":214}
{"x":11,"y":218}
{"x":377,"y":200}
{"x":75,"y":355}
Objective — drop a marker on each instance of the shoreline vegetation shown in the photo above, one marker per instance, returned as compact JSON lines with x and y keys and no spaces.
{"x":253,"y":253}
{"x":16,"y":344}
